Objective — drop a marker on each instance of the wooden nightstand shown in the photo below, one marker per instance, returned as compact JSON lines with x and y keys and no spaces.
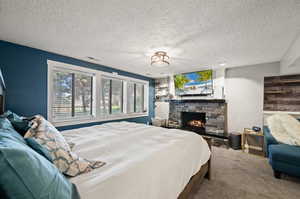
{"x":253,"y":142}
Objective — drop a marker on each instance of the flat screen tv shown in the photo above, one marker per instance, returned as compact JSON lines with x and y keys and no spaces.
{"x":194,"y":84}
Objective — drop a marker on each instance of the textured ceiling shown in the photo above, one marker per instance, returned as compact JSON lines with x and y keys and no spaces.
{"x":124,"y":33}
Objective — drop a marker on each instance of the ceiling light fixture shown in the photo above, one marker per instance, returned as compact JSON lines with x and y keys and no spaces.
{"x":160,"y":59}
{"x":222,"y":64}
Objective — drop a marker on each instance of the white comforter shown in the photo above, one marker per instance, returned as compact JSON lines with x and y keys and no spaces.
{"x":142,"y":162}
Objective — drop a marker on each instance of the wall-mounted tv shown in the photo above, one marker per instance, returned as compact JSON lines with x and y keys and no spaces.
{"x":194,"y":84}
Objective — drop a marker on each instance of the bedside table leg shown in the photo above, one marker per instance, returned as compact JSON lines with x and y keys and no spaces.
{"x":243,"y":140}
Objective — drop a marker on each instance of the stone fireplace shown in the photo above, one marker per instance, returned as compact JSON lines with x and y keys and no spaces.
{"x":202,"y":116}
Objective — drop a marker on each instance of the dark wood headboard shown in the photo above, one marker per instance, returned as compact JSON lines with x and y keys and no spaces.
{"x":2,"y":100}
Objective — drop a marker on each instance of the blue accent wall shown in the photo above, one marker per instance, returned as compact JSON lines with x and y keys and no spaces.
{"x":25,"y":74}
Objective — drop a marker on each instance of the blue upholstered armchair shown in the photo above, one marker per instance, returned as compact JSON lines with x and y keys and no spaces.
{"x":282,"y":157}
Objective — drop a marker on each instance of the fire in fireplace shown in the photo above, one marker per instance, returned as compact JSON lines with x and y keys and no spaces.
{"x":194,"y":121}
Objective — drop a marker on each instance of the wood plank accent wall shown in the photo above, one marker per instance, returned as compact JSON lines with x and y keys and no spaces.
{"x":282,"y":93}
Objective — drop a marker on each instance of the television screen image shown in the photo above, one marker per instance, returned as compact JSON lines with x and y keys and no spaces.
{"x":195,"y":83}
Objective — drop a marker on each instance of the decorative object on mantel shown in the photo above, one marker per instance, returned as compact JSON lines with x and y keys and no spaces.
{"x":160,"y":59}
{"x":281,"y":93}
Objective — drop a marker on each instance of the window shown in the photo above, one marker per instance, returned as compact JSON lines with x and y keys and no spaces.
{"x":116,"y":96}
{"x":105,"y":101}
{"x":139,"y":98}
{"x":83,"y":95}
{"x":135,"y":98}
{"x":72,"y":95}
{"x":62,"y":102}
{"x":130,"y":97}
{"x":112,"y":96}
{"x":79,"y":95}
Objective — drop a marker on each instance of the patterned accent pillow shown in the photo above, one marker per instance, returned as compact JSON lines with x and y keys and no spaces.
{"x":65,"y":160}
{"x":71,"y":145}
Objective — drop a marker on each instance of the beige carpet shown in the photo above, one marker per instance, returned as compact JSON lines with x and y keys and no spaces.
{"x":239,"y":175}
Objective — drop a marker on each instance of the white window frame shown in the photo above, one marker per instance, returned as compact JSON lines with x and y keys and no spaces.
{"x":124,"y":91}
{"x":145,"y":97}
{"x":97,"y":75}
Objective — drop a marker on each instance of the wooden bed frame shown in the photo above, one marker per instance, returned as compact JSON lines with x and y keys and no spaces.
{"x":198,"y":178}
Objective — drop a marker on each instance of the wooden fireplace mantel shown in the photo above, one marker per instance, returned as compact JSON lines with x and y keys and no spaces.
{"x":198,"y":101}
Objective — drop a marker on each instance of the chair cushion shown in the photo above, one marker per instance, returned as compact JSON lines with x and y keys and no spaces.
{"x":27,"y":175}
{"x":285,"y":153}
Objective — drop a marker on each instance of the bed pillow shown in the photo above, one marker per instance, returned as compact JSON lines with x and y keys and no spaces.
{"x":68,"y":162}
{"x":5,"y":123}
{"x":20,"y":124}
{"x":33,"y":144}
{"x":26,"y":175}
{"x":6,"y":126}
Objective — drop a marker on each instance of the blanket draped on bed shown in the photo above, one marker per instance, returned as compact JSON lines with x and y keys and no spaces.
{"x":142,"y":161}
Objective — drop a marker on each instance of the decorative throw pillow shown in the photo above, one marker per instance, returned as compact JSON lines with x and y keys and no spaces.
{"x":66,"y":161}
{"x":71,"y":145}
{"x":33,"y":144}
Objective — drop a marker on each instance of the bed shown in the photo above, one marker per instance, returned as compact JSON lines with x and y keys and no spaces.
{"x":142,"y":161}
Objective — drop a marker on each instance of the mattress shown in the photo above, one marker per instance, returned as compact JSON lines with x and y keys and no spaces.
{"x":142,"y":161}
